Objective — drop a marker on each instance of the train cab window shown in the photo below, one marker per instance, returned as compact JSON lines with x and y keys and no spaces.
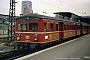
{"x":33,"y":26}
{"x":64,"y":27}
{"x":51,"y":27}
{"x":45,"y":27}
{"x":22,"y":26}
{"x":56,"y":27}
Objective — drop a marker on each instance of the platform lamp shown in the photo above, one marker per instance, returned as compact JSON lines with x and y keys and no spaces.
{"x":44,"y":12}
{"x":78,"y":20}
{"x":84,"y":13}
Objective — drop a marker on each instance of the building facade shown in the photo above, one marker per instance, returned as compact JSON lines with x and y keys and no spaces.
{"x":3,"y":27}
{"x":4,"y":24}
{"x":26,"y":7}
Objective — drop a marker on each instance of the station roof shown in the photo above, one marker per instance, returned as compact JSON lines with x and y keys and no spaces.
{"x":68,"y":14}
{"x":84,"y":24}
{"x":86,"y":17}
{"x":5,"y":17}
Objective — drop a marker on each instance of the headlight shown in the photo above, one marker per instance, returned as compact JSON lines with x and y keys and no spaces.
{"x":46,"y":37}
{"x":18,"y":38}
{"x":35,"y":39}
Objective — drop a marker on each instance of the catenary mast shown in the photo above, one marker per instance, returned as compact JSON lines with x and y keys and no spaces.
{"x":11,"y":28}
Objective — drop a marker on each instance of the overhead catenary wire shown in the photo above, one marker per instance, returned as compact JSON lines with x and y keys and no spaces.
{"x":52,"y":5}
{"x":59,"y":7}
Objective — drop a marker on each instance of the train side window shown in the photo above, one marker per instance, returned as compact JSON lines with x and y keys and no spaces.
{"x":74,"y":27}
{"x":45,"y":27}
{"x":79,"y":27}
{"x":85,"y":27}
{"x":51,"y":27}
{"x":33,"y":26}
{"x":67,"y":27}
{"x":22,"y":26}
{"x":64,"y":27}
{"x":61,"y":26}
{"x":56,"y":27}
{"x":71,"y":27}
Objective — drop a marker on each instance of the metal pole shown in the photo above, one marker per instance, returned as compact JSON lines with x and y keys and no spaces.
{"x":11,"y":20}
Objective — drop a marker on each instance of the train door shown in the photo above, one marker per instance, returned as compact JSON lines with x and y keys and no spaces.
{"x":61,"y":29}
{"x":45,"y":27}
{"x":81,"y":29}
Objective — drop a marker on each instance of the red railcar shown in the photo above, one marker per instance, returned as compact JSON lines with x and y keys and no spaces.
{"x":67,"y":29}
{"x":36,"y":29}
{"x":78,"y":28}
{"x":39,"y":29}
{"x":85,"y":28}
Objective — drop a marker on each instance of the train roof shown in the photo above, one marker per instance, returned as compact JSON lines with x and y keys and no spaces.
{"x":65,"y":20}
{"x":41,"y":17}
{"x":85,"y":24}
{"x":36,"y":17}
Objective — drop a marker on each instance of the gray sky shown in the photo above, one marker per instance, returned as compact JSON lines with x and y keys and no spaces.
{"x":50,"y":6}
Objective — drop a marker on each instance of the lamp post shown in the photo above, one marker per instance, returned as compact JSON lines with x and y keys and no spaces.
{"x":78,"y":20}
{"x":83,"y":13}
{"x":45,"y":12}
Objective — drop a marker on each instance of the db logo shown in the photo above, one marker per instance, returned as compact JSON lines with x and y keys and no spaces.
{"x":27,"y":37}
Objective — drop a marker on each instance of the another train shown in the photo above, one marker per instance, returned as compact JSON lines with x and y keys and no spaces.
{"x":35,"y":30}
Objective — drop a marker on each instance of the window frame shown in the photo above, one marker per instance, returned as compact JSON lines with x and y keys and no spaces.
{"x":19,"y":28}
{"x":33,"y":26}
{"x":57,"y":25}
{"x":51,"y":27}
{"x":45,"y":27}
{"x":65,"y":26}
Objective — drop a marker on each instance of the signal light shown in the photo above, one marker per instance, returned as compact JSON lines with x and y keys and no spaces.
{"x":35,"y":35}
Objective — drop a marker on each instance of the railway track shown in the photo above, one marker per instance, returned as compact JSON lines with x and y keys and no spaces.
{"x":10,"y":55}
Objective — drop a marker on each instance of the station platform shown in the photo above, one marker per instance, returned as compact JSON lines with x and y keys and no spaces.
{"x":3,"y":36}
{"x":76,"y":49}
{"x":4,"y":48}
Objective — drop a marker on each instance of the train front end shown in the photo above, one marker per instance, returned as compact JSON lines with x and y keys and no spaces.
{"x":29,"y":31}
{"x":36,"y":31}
